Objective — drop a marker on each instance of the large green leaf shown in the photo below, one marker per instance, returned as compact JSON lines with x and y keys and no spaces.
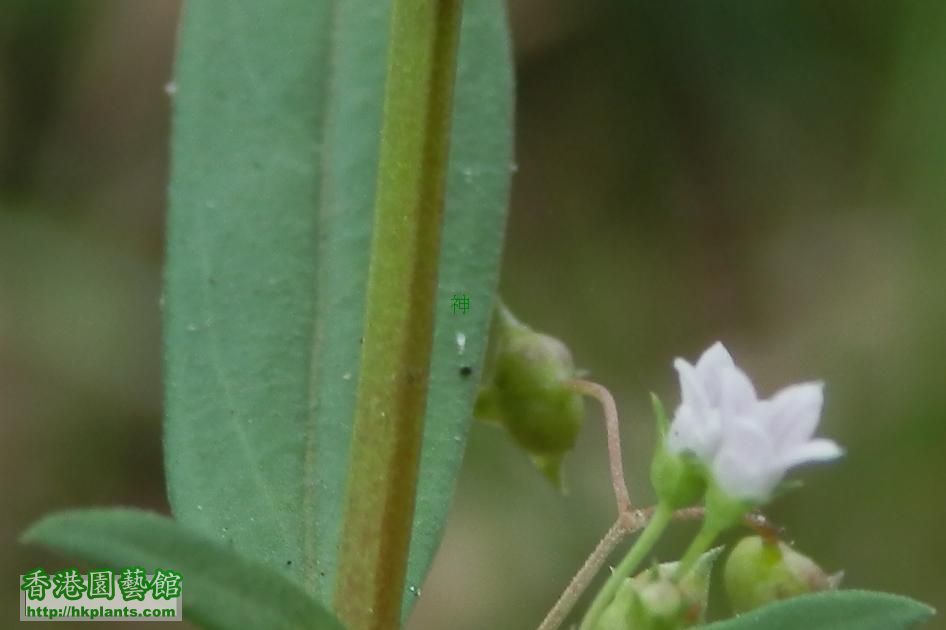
{"x":274,"y":153}
{"x":833,"y":610}
{"x":221,"y":589}
{"x":477,"y":189}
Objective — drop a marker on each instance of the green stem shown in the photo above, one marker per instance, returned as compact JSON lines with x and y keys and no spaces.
{"x":399,"y":314}
{"x":638,"y":551}
{"x":700,"y":545}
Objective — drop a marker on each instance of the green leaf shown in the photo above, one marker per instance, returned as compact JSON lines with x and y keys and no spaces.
{"x":471,"y":248}
{"x":274,"y":153}
{"x":220,"y":588}
{"x":833,"y":610}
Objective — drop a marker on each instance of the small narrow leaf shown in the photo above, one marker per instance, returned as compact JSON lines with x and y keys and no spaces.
{"x":220,"y":588}
{"x":833,"y":610}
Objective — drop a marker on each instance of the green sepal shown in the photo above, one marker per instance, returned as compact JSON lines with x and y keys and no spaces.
{"x":679,"y":480}
{"x":551,"y":468}
{"x":695,"y":584}
{"x":660,"y":413}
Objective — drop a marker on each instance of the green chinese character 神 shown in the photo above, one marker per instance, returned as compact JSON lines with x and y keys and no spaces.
{"x":36,"y":583}
{"x":69,"y":584}
{"x":166,"y":584}
{"x":460,"y":302}
{"x":101,"y":584}
{"x":132,"y":583}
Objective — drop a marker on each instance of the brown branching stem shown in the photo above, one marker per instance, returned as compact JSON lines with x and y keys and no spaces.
{"x":627,"y":524}
{"x":629,"y":520}
{"x":611,"y":423}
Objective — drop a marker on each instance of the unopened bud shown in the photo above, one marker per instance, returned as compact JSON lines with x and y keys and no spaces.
{"x":654,"y":600}
{"x":760,"y":571}
{"x":526,"y":392}
{"x":617,"y":616}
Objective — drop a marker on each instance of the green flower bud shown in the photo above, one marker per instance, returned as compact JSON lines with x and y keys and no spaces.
{"x":617,"y":616}
{"x":760,"y":571}
{"x":653,"y":600}
{"x":678,"y":479}
{"x":649,"y":604}
{"x":659,"y":605}
{"x":525,"y":391}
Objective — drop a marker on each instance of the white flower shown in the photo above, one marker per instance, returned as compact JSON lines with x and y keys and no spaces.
{"x":712,"y":391}
{"x":746,"y":443}
{"x":757,"y":449}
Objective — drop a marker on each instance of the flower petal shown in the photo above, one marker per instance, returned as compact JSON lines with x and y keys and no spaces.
{"x":737,"y":394}
{"x":745,"y":467}
{"x":692,"y":391}
{"x":709,"y":369}
{"x":714,"y":359}
{"x":820,"y":450}
{"x":793,"y":414}
{"x":698,"y":433}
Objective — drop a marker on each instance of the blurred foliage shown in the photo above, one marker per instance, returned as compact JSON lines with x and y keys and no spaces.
{"x":769,"y":174}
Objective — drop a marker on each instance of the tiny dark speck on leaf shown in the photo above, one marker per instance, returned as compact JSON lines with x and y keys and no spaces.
{"x":466,"y":370}
{"x":288,"y":562}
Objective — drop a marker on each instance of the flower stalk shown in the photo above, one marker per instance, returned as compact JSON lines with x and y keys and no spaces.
{"x":701,"y":544}
{"x":638,"y":551}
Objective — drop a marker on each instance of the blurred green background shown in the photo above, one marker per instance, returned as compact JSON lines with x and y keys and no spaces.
{"x":769,"y":174}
